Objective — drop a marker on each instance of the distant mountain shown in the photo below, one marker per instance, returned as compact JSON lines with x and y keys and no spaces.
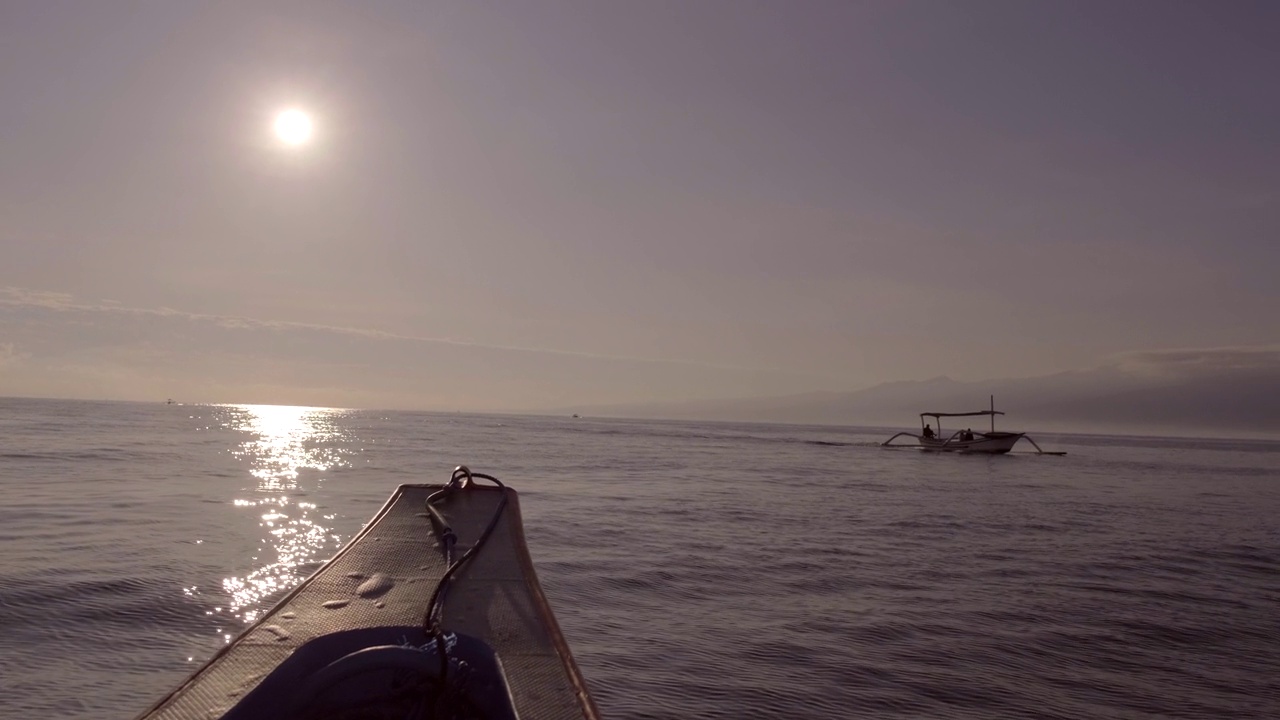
{"x":1210,"y":392}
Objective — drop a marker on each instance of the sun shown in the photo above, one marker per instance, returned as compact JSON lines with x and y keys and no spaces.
{"x":294,"y":127}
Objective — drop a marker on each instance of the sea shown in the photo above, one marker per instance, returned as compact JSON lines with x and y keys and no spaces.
{"x":697,"y":569}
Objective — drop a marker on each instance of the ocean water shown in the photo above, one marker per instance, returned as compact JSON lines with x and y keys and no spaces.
{"x":698,"y":570}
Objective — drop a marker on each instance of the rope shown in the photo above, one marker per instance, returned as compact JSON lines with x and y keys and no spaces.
{"x":462,"y":479}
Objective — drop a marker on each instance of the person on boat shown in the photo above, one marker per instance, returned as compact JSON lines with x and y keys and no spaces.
{"x":968,"y":434}
{"x":928,"y":431}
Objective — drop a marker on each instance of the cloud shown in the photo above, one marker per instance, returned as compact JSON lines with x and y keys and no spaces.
{"x":52,"y":344}
{"x":1203,"y":391}
{"x":24,"y":298}
{"x":36,"y":298}
{"x":1186,"y":363}
{"x":10,"y":356}
{"x":107,"y":350}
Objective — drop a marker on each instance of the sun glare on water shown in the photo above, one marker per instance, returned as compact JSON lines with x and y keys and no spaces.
{"x":294,"y":127}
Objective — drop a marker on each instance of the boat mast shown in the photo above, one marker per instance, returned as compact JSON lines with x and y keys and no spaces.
{"x":993,"y":413}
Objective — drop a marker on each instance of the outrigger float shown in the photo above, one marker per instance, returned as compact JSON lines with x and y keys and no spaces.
{"x":965,"y":441}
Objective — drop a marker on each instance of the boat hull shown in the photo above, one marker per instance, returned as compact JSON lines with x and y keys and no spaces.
{"x":375,"y":590}
{"x":992,"y":443}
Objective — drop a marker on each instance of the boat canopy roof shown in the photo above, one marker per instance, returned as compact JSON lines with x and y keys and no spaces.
{"x":968,"y":414}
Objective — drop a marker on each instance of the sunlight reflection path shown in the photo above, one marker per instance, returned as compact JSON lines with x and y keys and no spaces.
{"x":285,"y":441}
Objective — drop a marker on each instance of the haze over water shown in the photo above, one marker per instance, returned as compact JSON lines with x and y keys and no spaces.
{"x":702,"y":570}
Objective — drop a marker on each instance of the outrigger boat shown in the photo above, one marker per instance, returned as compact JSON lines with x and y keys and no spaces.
{"x":371,"y":635}
{"x":992,"y":442}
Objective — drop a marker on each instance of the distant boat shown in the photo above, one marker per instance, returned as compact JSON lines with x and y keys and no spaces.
{"x":169,"y":401}
{"x":577,"y":415}
{"x":965,"y":441}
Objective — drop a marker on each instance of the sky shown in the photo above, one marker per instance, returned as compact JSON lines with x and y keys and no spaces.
{"x":522,"y":205}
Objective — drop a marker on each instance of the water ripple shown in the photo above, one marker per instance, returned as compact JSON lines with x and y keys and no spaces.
{"x":698,"y":570}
